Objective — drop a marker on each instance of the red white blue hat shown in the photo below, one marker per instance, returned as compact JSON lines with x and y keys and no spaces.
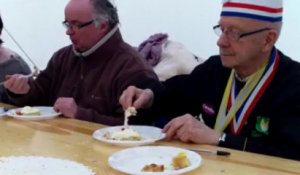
{"x":264,"y":10}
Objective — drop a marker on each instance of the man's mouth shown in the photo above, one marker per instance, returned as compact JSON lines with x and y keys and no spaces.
{"x":225,"y":54}
{"x":73,"y":41}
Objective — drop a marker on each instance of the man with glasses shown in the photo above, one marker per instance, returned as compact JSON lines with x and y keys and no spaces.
{"x":85,"y":80}
{"x":247,"y":98}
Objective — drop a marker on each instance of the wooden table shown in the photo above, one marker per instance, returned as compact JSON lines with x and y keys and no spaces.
{"x":71,"y":139}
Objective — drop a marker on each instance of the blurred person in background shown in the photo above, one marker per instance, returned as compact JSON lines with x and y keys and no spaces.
{"x":10,"y":63}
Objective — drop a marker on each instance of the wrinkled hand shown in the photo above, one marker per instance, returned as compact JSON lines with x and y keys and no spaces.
{"x":136,"y":97}
{"x":17,"y":83}
{"x":188,"y":129}
{"x":67,"y":106}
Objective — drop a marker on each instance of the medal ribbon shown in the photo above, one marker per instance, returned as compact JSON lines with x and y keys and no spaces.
{"x":246,"y":99}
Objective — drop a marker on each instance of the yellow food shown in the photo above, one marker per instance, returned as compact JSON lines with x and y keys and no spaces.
{"x":180,"y":161}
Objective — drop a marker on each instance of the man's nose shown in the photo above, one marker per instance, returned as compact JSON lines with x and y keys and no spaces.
{"x":70,"y":31}
{"x":223,"y":41}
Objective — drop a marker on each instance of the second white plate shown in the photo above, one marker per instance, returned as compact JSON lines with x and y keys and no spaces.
{"x":132,"y":160}
{"x":149,"y":134}
{"x":47,"y":112}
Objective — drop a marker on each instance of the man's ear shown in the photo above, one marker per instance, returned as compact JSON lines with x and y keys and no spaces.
{"x":270,"y":40}
{"x":102,"y":26}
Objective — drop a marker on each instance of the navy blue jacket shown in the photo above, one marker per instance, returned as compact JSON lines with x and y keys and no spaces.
{"x":201,"y":92}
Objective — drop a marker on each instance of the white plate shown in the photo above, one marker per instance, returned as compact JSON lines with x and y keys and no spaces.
{"x":149,"y":134}
{"x":47,"y":112}
{"x":132,"y":160}
{"x":34,"y":165}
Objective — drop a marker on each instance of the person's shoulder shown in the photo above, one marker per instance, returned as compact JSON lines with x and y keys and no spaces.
{"x":288,"y":72}
{"x":213,"y":64}
{"x":131,"y":65}
{"x":131,"y":57}
{"x":287,"y":64}
{"x":16,"y":64}
{"x":16,"y":59}
{"x":7,"y":54}
{"x":63,"y":52}
{"x":286,"y":82}
{"x":60,"y":56}
{"x":129,"y":51}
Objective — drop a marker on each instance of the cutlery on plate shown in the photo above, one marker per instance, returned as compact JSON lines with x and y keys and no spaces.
{"x":215,"y":152}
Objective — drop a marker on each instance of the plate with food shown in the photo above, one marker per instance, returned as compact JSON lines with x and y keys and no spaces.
{"x":154,"y":160}
{"x":33,"y":113}
{"x":132,"y":135}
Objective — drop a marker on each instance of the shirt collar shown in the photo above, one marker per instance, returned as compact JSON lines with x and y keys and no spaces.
{"x":239,"y":78}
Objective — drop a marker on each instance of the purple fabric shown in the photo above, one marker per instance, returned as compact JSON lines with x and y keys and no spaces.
{"x":151,"y":48}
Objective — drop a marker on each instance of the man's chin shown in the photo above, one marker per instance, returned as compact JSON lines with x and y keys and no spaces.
{"x":227,"y":61}
{"x":227,"y":65}
{"x":78,"y":49}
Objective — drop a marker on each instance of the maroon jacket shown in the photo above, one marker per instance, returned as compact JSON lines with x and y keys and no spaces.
{"x":95,"y":81}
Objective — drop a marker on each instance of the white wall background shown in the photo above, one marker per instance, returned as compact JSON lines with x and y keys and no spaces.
{"x":36,"y":25}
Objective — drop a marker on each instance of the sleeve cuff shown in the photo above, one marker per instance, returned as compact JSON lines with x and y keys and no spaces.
{"x":233,"y":141}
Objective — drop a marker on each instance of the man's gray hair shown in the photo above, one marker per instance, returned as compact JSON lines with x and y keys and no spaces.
{"x":105,"y":10}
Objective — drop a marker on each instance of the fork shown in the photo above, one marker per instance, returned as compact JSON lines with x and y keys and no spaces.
{"x":33,"y":74}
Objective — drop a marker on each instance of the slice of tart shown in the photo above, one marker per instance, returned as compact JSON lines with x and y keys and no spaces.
{"x":27,"y":110}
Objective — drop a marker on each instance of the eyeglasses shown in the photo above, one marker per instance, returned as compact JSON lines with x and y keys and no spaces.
{"x":76,"y":25}
{"x":234,"y":35}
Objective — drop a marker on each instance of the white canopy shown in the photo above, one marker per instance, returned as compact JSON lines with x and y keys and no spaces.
{"x":36,"y":25}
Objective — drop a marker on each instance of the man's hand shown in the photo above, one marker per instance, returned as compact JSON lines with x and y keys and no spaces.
{"x":67,"y":106}
{"x":136,"y":97}
{"x":188,"y":129}
{"x":17,"y":83}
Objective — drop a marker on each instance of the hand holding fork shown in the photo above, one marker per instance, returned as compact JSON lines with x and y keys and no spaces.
{"x":17,"y":83}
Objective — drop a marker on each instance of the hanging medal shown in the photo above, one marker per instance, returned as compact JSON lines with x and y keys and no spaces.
{"x":243,"y":103}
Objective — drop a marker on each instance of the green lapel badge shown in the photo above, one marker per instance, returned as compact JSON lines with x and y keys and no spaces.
{"x":262,"y":125}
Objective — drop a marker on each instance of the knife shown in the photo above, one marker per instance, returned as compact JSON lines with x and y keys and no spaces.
{"x":215,"y":152}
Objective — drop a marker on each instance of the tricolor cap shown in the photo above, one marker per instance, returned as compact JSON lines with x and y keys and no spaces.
{"x":264,"y":10}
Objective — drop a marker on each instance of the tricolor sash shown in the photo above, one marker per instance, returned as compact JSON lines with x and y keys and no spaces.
{"x":236,"y":108}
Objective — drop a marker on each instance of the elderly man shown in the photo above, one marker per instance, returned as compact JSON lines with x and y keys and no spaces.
{"x":85,"y":80}
{"x":248,"y":96}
